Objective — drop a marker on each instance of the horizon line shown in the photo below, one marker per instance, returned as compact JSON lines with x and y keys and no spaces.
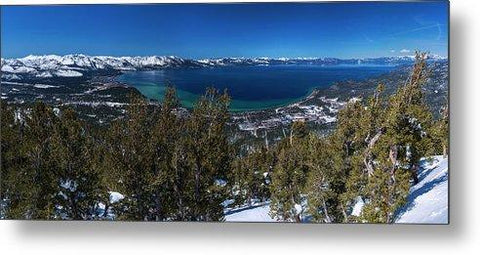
{"x":233,"y":57}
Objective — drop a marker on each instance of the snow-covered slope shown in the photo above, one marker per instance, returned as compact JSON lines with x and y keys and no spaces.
{"x":76,"y":65}
{"x":259,"y":213}
{"x":428,"y":199}
{"x":427,"y":202}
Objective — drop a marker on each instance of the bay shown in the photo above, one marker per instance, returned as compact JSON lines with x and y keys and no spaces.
{"x":251,"y":87}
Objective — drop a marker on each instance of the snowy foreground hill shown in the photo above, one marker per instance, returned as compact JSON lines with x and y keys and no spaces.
{"x":428,"y":199}
{"x":427,"y":202}
{"x":256,"y":213}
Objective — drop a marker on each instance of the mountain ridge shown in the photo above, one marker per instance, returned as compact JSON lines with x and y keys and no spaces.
{"x":78,"y":65}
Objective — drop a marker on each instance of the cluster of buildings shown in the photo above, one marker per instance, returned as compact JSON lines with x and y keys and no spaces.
{"x":323,"y":112}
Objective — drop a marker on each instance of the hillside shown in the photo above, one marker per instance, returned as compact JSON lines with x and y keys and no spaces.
{"x":428,"y":199}
{"x":256,"y":213}
{"x":427,"y":202}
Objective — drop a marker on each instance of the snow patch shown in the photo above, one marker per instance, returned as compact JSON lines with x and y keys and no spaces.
{"x":428,"y":199}
{"x":115,"y":197}
{"x":357,"y":208}
{"x":44,"y":86}
{"x":68,"y":73}
{"x":251,"y":214}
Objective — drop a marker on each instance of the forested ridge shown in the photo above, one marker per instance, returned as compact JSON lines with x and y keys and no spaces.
{"x":172,"y":166}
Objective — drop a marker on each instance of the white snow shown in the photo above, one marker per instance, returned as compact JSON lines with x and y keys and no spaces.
{"x":428,"y":199}
{"x":23,"y":69}
{"x":68,"y":184}
{"x":56,"y":110}
{"x":328,"y":119}
{"x":44,"y":86}
{"x":427,"y":202}
{"x":250,"y":214}
{"x":44,"y":75}
{"x":228,"y":202}
{"x":10,"y":76}
{"x":298,"y":208}
{"x":115,"y":197}
{"x":7,"y":68}
{"x":220,"y":182}
{"x":357,"y":208}
{"x":68,"y":73}
{"x":94,"y":104}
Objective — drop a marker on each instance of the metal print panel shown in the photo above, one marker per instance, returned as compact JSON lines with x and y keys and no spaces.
{"x":318,"y":112}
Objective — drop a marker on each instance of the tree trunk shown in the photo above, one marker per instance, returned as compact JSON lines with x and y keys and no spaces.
{"x":197,"y":187}
{"x":413,"y":172}
{"x":297,"y":218}
{"x":325,"y":211}
{"x":179,"y":200}
{"x":393,"y":158}
{"x":345,"y":216}
{"x":297,"y":215}
{"x":266,"y":140}
{"x":291,"y":137}
{"x":367,"y":160}
{"x":158,"y":207}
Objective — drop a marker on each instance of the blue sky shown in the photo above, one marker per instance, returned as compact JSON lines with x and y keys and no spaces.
{"x":341,"y":30}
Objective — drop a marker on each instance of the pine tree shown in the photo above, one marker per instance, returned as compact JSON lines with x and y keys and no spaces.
{"x":400,"y":145}
{"x":439,"y":132}
{"x":346,"y":144}
{"x":323,"y":179}
{"x":131,"y":155}
{"x":408,"y":117}
{"x":209,"y":154}
{"x":250,"y":175}
{"x":79,"y":183}
{"x":36,"y":181}
{"x":385,"y":196}
{"x":11,"y":159}
{"x":289,"y":177}
{"x":166,"y":184}
{"x":366,"y":121}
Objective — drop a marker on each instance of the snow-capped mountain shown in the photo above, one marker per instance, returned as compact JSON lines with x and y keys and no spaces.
{"x":78,"y":65}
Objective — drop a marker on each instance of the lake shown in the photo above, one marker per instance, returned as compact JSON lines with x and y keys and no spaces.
{"x":251,"y":87}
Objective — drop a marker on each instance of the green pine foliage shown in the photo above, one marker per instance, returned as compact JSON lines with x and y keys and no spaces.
{"x":11,"y":159}
{"x":208,"y":155}
{"x":251,"y":177}
{"x":167,"y":165}
{"x":130,"y":154}
{"x":36,"y":181}
{"x":439,"y":133}
{"x":290,"y":175}
{"x":325,"y":181}
{"x":46,"y":174}
{"x":80,"y":187}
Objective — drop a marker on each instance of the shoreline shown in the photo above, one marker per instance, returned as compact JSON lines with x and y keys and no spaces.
{"x":311,"y":93}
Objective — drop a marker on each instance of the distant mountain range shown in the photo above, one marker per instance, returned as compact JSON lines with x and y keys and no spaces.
{"x":78,"y":65}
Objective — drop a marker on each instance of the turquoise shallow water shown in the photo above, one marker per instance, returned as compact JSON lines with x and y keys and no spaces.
{"x":251,"y":87}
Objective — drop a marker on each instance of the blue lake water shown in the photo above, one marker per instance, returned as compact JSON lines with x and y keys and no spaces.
{"x":251,"y":87}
